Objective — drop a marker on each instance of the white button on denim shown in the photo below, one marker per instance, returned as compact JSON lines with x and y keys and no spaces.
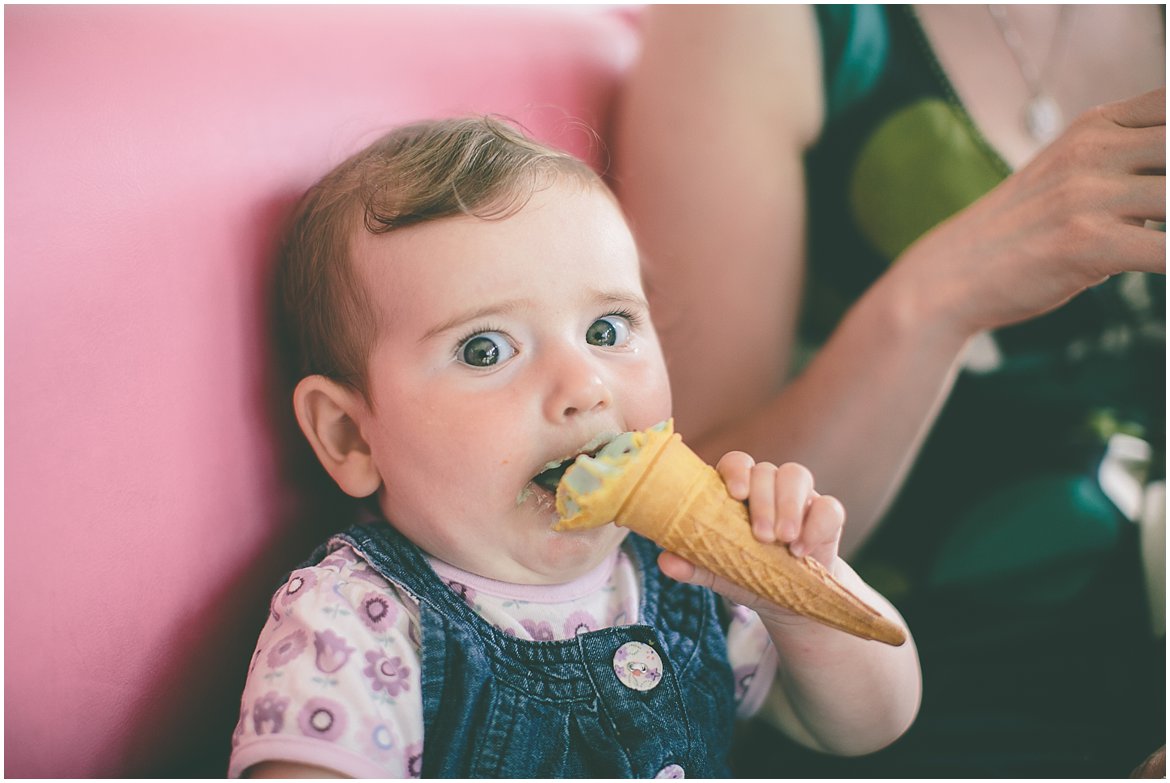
{"x":638,"y":666}
{"x":671,"y":772}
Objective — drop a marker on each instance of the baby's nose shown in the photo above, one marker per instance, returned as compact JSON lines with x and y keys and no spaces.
{"x":577,"y":388}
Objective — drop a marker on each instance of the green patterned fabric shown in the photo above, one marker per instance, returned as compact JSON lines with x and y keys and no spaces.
{"x":1020,"y":579}
{"x":894,"y":199}
{"x":898,"y":156}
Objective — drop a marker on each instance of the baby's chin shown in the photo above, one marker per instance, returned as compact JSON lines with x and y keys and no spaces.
{"x":554,"y":558}
{"x":573,"y":554}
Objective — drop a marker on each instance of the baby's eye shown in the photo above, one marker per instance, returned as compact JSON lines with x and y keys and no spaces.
{"x":485,"y":350}
{"x":609,"y":330}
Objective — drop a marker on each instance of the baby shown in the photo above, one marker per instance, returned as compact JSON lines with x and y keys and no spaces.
{"x":467,"y":311}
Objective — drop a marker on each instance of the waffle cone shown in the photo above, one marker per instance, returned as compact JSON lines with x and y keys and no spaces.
{"x":669,"y":495}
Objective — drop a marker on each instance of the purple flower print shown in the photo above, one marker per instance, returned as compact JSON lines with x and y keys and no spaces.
{"x":540,"y":631}
{"x":299,"y":583}
{"x":387,"y":673}
{"x":377,"y":611}
{"x":339,"y":559}
{"x":378,"y":739}
{"x":288,"y":648}
{"x":322,"y":718}
{"x":268,"y":713}
{"x":579,"y":622}
{"x":414,"y":763}
{"x":332,"y":651}
{"x":463,"y":591}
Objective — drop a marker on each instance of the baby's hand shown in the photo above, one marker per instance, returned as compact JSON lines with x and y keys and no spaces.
{"x":784,"y":507}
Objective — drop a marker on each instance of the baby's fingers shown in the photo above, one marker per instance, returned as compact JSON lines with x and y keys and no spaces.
{"x":762,"y":502}
{"x":735,"y":468}
{"x":793,"y":491}
{"x":822,"y":529}
{"x":682,"y":570}
{"x":678,"y":569}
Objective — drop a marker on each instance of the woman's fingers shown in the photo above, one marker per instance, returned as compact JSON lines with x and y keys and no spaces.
{"x":1146,"y":150}
{"x":1141,"y":111}
{"x":1141,"y":249}
{"x":1143,"y":198}
{"x":1110,"y":199}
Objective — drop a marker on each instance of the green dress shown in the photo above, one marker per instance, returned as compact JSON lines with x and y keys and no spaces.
{"x":1018,"y":574}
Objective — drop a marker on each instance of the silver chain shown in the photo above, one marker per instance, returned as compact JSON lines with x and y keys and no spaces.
{"x":1043,"y":118}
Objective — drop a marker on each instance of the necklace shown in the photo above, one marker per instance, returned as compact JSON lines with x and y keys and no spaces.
{"x":1043,"y":118}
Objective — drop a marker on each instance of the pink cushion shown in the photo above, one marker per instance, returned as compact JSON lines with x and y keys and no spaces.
{"x":150,"y":153}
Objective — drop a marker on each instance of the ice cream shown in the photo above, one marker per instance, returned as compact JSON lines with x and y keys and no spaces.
{"x":653,"y":484}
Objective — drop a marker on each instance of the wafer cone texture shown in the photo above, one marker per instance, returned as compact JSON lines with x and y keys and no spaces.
{"x":669,"y":495}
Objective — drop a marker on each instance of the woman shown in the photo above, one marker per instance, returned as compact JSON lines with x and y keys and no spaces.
{"x":866,"y":233}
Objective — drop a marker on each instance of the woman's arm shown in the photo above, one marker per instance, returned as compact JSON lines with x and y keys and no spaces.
{"x":714,"y":124}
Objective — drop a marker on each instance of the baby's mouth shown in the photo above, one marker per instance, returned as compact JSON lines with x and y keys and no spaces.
{"x":550,"y":477}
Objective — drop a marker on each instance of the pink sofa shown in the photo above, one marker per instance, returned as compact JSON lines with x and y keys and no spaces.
{"x":151,"y":503}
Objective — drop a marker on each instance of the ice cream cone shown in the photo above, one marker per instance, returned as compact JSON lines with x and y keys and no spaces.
{"x":653,"y":484}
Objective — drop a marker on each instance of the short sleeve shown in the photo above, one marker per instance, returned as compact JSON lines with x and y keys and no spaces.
{"x":855,"y":47}
{"x":753,"y":659}
{"x":334,"y":681}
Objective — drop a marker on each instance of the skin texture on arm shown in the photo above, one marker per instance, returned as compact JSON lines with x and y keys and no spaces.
{"x":714,"y":123}
{"x":839,"y":694}
{"x":833,"y":692}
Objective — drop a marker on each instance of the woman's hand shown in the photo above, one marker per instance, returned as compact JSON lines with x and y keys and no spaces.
{"x":1067,"y":221}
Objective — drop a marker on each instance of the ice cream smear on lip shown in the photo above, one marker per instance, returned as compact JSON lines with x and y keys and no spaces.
{"x":587,"y":474}
{"x":551,"y":473}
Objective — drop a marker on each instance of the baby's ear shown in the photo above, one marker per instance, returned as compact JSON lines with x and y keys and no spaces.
{"x":327,"y":412}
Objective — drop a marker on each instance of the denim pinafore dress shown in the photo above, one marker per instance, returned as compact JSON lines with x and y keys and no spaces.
{"x":654,"y":699}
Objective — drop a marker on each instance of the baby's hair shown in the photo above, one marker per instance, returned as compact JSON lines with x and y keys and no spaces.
{"x":480,"y":166}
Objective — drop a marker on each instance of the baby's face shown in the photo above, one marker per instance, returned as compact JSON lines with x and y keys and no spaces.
{"x":506,"y":345}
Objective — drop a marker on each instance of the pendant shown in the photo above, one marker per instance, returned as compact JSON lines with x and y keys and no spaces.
{"x":1043,"y":118}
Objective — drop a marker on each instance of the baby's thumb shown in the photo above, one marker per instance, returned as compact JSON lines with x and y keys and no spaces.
{"x":681,"y":570}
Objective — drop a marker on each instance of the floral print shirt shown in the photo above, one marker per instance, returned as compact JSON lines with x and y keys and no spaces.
{"x":334,"y":681}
